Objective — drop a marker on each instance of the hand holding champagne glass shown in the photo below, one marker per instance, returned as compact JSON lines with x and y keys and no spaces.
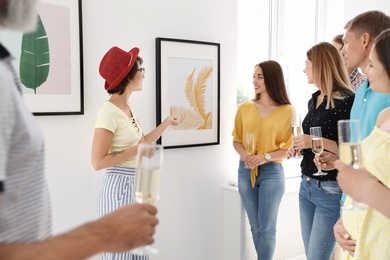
{"x":249,"y":146}
{"x":349,"y":142}
{"x":350,"y":151}
{"x":296,"y":130}
{"x":317,"y":145}
{"x":147,"y":181}
{"x":249,"y":143}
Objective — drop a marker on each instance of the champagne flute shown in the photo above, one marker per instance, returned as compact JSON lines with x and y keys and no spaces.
{"x":147,"y":181}
{"x":249,"y":143}
{"x":317,"y":145}
{"x":350,"y":151}
{"x":296,"y":130}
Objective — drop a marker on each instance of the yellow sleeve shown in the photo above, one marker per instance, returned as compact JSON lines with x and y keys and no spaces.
{"x":238,"y":125}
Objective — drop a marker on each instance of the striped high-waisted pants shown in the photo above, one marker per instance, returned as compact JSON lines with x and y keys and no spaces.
{"x":117,"y":190}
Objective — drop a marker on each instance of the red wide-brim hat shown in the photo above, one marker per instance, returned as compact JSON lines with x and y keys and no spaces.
{"x":116,"y":64}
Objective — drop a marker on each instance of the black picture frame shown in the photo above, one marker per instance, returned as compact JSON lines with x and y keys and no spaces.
{"x":188,"y":85}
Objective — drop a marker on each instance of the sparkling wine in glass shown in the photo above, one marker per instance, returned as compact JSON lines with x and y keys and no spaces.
{"x":350,"y":151}
{"x":296,"y":130}
{"x":147,"y":182}
{"x":249,"y":143}
{"x":317,"y":145}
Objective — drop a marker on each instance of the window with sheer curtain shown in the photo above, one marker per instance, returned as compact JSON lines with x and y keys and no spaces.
{"x":281,"y":30}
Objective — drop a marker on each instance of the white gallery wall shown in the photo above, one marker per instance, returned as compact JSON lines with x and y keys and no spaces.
{"x":353,"y":8}
{"x":190,"y":209}
{"x":338,"y":13}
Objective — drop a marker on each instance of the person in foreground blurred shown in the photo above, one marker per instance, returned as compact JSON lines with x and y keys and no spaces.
{"x":260,"y":173}
{"x":365,"y":234}
{"x":319,"y":196}
{"x":363,"y":187}
{"x":118,"y":133}
{"x":25,"y":212}
{"x":355,"y":76}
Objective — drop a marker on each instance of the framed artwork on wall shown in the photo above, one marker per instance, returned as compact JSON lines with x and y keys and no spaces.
{"x":188,"y":86}
{"x":49,"y":61}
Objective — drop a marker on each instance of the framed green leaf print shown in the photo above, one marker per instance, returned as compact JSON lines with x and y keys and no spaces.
{"x":49,"y":61}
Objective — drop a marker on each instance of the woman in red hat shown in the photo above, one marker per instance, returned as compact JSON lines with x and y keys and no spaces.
{"x":117,"y":133}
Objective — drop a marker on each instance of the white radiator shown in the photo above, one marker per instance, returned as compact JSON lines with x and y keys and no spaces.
{"x":237,"y":238}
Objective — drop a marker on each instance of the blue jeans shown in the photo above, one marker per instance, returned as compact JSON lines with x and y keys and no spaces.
{"x":319,"y":207}
{"x":262,"y":204}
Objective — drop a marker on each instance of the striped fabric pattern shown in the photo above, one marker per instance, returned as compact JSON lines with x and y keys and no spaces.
{"x":14,"y":74}
{"x":117,"y":190}
{"x":25,"y":213}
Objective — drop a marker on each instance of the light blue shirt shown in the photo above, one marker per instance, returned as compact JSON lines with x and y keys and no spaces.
{"x":367,"y":106}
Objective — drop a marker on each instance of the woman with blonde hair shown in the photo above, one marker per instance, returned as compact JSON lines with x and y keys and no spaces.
{"x":319,"y":196}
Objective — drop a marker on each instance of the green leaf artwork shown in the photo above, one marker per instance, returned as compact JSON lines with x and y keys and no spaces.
{"x":35,"y":58}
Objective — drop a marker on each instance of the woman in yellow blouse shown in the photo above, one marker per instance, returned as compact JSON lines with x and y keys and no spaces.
{"x":260,"y":173}
{"x":365,"y":234}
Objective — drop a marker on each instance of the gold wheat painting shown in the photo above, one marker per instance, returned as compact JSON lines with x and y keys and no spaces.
{"x":195,"y":116}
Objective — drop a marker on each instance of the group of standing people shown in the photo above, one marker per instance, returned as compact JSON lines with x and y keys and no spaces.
{"x":363,"y":235}
{"x":337,"y":71}
{"x":334,"y":71}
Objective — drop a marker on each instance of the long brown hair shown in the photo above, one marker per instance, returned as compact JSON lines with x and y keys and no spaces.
{"x":382,"y":48}
{"x":274,"y":82}
{"x":329,"y":71}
